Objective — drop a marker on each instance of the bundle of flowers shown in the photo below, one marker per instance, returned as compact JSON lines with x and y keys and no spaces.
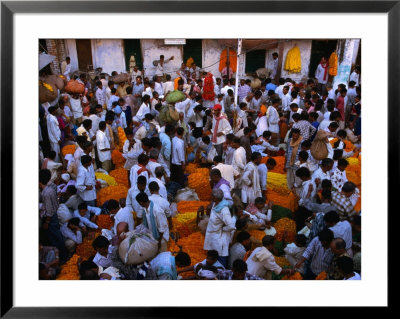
{"x":191,"y":206}
{"x":111,"y":192}
{"x":290,"y":201}
{"x":191,"y":168}
{"x":200,"y":182}
{"x":280,"y":163}
{"x":104,"y":221}
{"x":185,"y":224}
{"x":349,"y":145}
{"x":282,"y":262}
{"x":277,"y":182}
{"x":257,"y":234}
{"x":353,"y":161}
{"x":192,"y":245}
{"x":121,"y":176}
{"x":288,"y":225}
{"x":354,"y":176}
{"x":70,"y":271}
{"x":117,"y":158}
{"x":295,"y":276}
{"x":121,"y":137}
{"x":321,"y":276}
{"x":68,"y":149}
{"x":107,"y":178}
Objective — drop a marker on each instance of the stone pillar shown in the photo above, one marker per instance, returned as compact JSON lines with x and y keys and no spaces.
{"x":345,"y":51}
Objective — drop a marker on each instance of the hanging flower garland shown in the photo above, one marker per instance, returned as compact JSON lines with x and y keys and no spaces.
{"x":333,"y":64}
{"x":293,"y":60}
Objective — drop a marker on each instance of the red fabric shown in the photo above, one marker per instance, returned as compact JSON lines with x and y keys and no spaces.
{"x":340,"y":106}
{"x":143,"y":169}
{"x":208,"y":88}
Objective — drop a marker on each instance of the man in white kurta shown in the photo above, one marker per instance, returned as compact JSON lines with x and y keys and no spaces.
{"x":250,"y":181}
{"x":103,"y":147}
{"x":54,"y":132}
{"x":220,"y":128}
{"x":239,"y":157}
{"x":273,"y":117}
{"x":124,"y":215}
{"x":219,"y":228}
{"x":86,"y":181}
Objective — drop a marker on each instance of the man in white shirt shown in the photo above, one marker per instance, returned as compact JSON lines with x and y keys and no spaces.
{"x":341,"y":229}
{"x":100,"y":94}
{"x":168,"y":86}
{"x":155,"y":220}
{"x":144,"y":108}
{"x":124,"y":215}
{"x":72,"y":234}
{"x":262,"y":263}
{"x":160,"y":201}
{"x":228,"y":172}
{"x":103,"y":147}
{"x":131,"y":201}
{"x":322,"y":172}
{"x":160,"y":65}
{"x":66,"y":68}
{"x":178,"y":157}
{"x":158,"y":87}
{"x":135,"y":73}
{"x":355,"y":75}
{"x":274,"y":65}
{"x":86,"y":181}
{"x":321,"y":74}
{"x":54,"y":132}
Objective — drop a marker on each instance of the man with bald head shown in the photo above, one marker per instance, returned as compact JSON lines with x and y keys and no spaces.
{"x":121,"y":229}
{"x":338,"y":247}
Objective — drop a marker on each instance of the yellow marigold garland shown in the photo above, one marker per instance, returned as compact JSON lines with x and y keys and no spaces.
{"x":277,"y":183}
{"x":107,"y":178}
{"x":185,"y":224}
{"x":333,"y":64}
{"x":111,"y":192}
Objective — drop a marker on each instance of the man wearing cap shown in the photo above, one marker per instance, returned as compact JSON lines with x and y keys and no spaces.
{"x":220,"y":128}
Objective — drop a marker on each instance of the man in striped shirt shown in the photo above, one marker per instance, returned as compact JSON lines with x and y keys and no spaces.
{"x":318,"y":253}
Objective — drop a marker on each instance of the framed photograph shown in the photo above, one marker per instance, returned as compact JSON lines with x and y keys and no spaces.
{"x":105,"y":36}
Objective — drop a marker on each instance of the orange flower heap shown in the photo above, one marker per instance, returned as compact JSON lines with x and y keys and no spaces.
{"x":111,"y":192}
{"x":288,"y":225}
{"x":86,"y":250}
{"x":122,"y":138}
{"x":257,"y":234}
{"x":68,"y":149}
{"x":321,"y":276}
{"x":277,"y":182}
{"x":282,"y":261}
{"x":295,"y":276}
{"x":70,"y":271}
{"x":200,"y":182}
{"x":117,"y":158}
{"x":349,"y":145}
{"x":121,"y":176}
{"x":104,"y":221}
{"x":191,"y":168}
{"x":191,"y":206}
{"x":289,"y":202}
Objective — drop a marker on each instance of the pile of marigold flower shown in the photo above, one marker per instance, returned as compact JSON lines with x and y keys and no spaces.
{"x":117,"y":158}
{"x":282,"y":261}
{"x":191,"y":168}
{"x":121,"y":137}
{"x":290,"y":201}
{"x":107,"y":178}
{"x":185,"y":224}
{"x":349,"y":145}
{"x":111,"y":192}
{"x":121,"y":176}
{"x":200,"y":182}
{"x":321,"y":276}
{"x":104,"y":221}
{"x":278,"y":183}
{"x":288,"y":225}
{"x":280,"y":163}
{"x":193,"y":245}
{"x":68,"y":149}
{"x":191,"y":206}
{"x":295,"y":276}
{"x":70,"y":271}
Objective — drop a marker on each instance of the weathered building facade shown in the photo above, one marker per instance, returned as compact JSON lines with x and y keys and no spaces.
{"x":116,"y":54}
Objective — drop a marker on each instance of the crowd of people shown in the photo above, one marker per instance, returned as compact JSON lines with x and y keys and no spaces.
{"x":206,"y":127}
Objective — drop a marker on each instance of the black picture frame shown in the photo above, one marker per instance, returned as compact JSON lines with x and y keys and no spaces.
{"x":9,"y":8}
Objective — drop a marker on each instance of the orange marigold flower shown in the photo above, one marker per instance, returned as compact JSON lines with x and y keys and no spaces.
{"x":68,"y":149}
{"x":121,"y":176}
{"x":295,"y":276}
{"x":111,"y":192}
{"x":288,"y":225}
{"x":117,"y":158}
{"x":321,"y":276}
{"x":104,"y":221}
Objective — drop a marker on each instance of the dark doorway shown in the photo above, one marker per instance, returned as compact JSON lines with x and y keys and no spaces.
{"x":132,"y":48}
{"x":255,"y":60}
{"x":84,"y":51}
{"x":193,"y":49}
{"x":319,"y":49}
{"x":42,"y":46}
